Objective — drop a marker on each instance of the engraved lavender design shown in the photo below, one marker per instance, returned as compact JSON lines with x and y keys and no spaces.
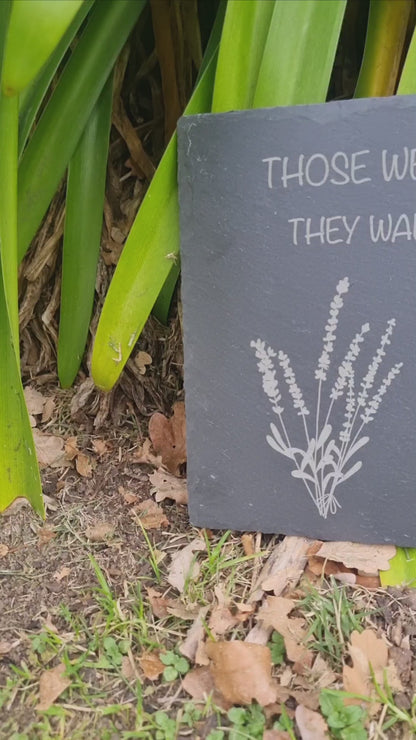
{"x":326,"y":461}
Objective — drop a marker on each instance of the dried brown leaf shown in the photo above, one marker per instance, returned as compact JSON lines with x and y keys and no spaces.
{"x":128,"y":668}
{"x":311,"y":725}
{"x":3,"y":550}
{"x":183,"y":565}
{"x":199,"y":683}
{"x":144,"y":455}
{"x":274,"y":613}
{"x":247,"y":541}
{"x":71,"y":448}
{"x":151,"y":665}
{"x":276,"y":735}
{"x":367,"y":558}
{"x":365,"y":649}
{"x":48,"y":410}
{"x":142,"y":360}
{"x":100,"y":447}
{"x":242,"y":672}
{"x":164,"y":485}
{"x":62,"y":573}
{"x":99,"y":532}
{"x":6,"y":646}
{"x":169,"y":437}
{"x":159,"y":604}
{"x":45,"y":535}
{"x":129,"y":498}
{"x":151,"y":515}
{"x":49,"y":450}
{"x":83,"y":465}
{"x":51,"y":685}
{"x":283,"y":568}
{"x":34,"y":400}
{"x":195,"y":635}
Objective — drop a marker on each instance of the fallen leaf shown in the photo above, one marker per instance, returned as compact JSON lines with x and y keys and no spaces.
{"x":49,"y":450}
{"x":164,"y":485}
{"x":83,"y":465}
{"x":145,"y":455}
{"x":6,"y":647}
{"x":100,"y":447}
{"x":3,"y":550}
{"x":142,"y":360}
{"x":247,"y":541}
{"x":128,"y":670}
{"x":311,"y":725}
{"x":276,"y":735}
{"x":99,"y":532}
{"x":151,"y":665}
{"x":51,"y":685}
{"x":199,"y":683}
{"x":48,"y":410}
{"x":159,"y":604}
{"x":367,"y":558}
{"x":130,"y":498}
{"x":365,"y":649}
{"x":274,"y":613}
{"x":195,"y":635}
{"x":45,"y":535}
{"x":183,"y":565}
{"x":221,"y":619}
{"x":168,"y":437}
{"x":62,"y":573}
{"x":242,"y":672}
{"x":71,"y":448}
{"x":34,"y":401}
{"x":151,"y":515}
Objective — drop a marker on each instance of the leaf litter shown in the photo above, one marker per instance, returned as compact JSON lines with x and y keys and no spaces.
{"x":221,"y":618}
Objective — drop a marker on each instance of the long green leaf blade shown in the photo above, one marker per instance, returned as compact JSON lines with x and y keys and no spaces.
{"x":60,"y":127}
{"x":5,"y":10}
{"x":244,"y":34}
{"x":146,"y":260}
{"x":31,"y":98}
{"x":402,"y":569}
{"x":82,"y":235}
{"x":299,"y":52}
{"x":19,"y":473}
{"x":9,"y":109}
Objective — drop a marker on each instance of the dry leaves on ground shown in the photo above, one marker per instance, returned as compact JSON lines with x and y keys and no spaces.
{"x":169,"y":437}
{"x":151,"y":665}
{"x":368,"y":559}
{"x":82,"y":461}
{"x":142,"y":360}
{"x":144,"y":455}
{"x":3,"y":550}
{"x":51,"y":685}
{"x":49,"y":450}
{"x":242,"y":672}
{"x":151,"y":515}
{"x":164,"y":485}
{"x":183,"y":566}
{"x":99,"y":532}
{"x":311,"y":725}
{"x":365,"y":649}
{"x":275,"y":613}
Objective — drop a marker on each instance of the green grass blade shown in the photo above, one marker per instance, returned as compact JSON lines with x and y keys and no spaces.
{"x":243,"y":38}
{"x":35,"y":28}
{"x":299,"y":52}
{"x":386,"y":34}
{"x":47,"y":155}
{"x":146,"y":260}
{"x":31,"y":98}
{"x":403,"y":566}
{"x":19,"y":473}
{"x":9,"y":109}
{"x":82,"y":235}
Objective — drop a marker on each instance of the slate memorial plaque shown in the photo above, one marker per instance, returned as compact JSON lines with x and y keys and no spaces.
{"x":298,"y":239}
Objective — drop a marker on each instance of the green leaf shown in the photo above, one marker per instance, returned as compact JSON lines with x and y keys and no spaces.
{"x":31,"y":98}
{"x":5,"y":10}
{"x":299,"y":52}
{"x":82,"y":235}
{"x":35,"y":28}
{"x":47,"y":155}
{"x":402,"y":571}
{"x":277,"y":648}
{"x":19,"y":473}
{"x":146,"y":260}
{"x":170,"y":673}
{"x":243,"y":38}
{"x":329,"y":702}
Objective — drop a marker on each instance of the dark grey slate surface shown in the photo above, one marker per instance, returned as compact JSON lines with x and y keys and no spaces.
{"x":247,"y":277}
